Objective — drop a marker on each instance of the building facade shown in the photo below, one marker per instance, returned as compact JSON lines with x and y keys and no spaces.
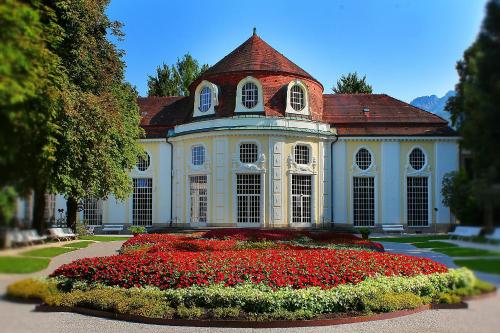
{"x":258,"y":144}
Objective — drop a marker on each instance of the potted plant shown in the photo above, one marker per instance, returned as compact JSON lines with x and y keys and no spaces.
{"x":365,"y":232}
{"x":137,"y":229}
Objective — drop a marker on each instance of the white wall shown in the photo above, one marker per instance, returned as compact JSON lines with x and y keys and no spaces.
{"x":390,"y":183}
{"x":446,"y":160}
{"x":163,"y":184}
{"x":339,"y":178}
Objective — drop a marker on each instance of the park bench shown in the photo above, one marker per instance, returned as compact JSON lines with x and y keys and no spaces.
{"x":393,"y":228}
{"x":61,"y":234}
{"x":495,"y":236}
{"x":462,"y":232}
{"x":113,"y":228}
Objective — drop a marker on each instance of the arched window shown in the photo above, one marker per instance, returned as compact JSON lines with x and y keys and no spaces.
{"x":363,"y":159}
{"x":417,"y":159}
{"x":301,"y":154}
{"x":198,"y":155}
{"x":143,"y":162}
{"x":249,"y":95}
{"x":248,"y":152}
{"x":297,"y":98}
{"x":205,"y":99}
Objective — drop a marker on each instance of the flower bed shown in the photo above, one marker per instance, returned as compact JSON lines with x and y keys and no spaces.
{"x":179,"y":261}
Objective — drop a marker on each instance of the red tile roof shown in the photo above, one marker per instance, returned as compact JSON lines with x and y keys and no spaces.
{"x":256,"y":55}
{"x":159,"y":114}
{"x":384,"y":115}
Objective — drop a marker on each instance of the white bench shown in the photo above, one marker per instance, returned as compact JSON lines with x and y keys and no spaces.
{"x":461,"y":232}
{"x":61,"y":234}
{"x":112,"y":227}
{"x":393,"y":228}
{"x":495,"y":236}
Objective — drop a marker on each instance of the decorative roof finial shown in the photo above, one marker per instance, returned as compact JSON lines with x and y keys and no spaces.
{"x":254,"y":31}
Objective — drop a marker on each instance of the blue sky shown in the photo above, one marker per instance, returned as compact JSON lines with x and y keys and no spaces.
{"x":407,"y":48}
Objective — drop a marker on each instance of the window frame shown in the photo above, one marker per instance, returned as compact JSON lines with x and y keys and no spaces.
{"x":133,"y":202}
{"x":97,"y":211}
{"x":239,"y":106}
{"x":149,"y":159}
{"x":289,"y":109}
{"x":309,"y":153}
{"x":425,"y":172}
{"x":198,"y":145}
{"x":424,"y":165}
{"x":189,"y":207}
{"x":214,"y":100}
{"x":372,"y":159}
{"x":257,"y":145}
{"x":260,"y":199}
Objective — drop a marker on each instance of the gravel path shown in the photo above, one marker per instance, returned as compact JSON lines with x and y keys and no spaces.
{"x":482,"y":315}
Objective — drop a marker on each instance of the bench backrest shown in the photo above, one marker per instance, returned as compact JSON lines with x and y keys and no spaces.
{"x":467,"y":231}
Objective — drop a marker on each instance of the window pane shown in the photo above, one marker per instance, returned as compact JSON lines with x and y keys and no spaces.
{"x":363,"y":159}
{"x":142,"y":202}
{"x":301,"y":198}
{"x":249,"y":95}
{"x":417,"y":201}
{"x":92,"y":211}
{"x":301,"y":153}
{"x":364,"y":201}
{"x":417,"y":159}
{"x":248,"y":152}
{"x":297,"y":98}
{"x":143,"y":162}
{"x":205,"y":99}
{"x":248,"y":198}
{"x":198,"y":155}
{"x":199,"y":200}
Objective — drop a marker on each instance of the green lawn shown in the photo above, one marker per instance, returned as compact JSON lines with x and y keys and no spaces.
{"x":103,"y":238}
{"x":79,"y":245}
{"x":481,"y":265}
{"x":19,"y":265}
{"x":466,"y":252}
{"x":48,"y":252}
{"x":410,"y":239}
{"x":434,"y":245}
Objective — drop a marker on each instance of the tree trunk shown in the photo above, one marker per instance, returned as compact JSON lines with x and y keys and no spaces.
{"x":71,"y":211}
{"x":39,"y":210}
{"x":488,"y":214}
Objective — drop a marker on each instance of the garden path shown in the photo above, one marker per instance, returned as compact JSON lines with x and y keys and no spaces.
{"x":474,"y":245}
{"x":411,"y":250}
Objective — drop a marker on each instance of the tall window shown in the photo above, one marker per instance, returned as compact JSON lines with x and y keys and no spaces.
{"x":198,"y":194}
{"x":92,"y":211}
{"x":49,"y":213}
{"x":198,"y":155}
{"x":205,"y":99}
{"x":142,"y":202}
{"x":297,"y":100}
{"x":248,"y":152}
{"x":248,"y":192}
{"x":301,"y":153}
{"x":417,"y":159}
{"x":364,"y":201}
{"x":249,"y":95}
{"x":143,"y":162}
{"x":417,"y":201}
{"x":301,"y":198}
{"x":363,"y":159}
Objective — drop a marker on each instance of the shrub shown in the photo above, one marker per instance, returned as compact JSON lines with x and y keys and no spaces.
{"x":447,"y":298}
{"x":392,"y":301}
{"x":137,"y":229}
{"x":189,"y":313}
{"x":32,"y":288}
{"x":225,"y":313}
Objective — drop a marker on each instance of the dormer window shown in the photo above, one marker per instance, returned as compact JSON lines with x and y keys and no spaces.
{"x":249,"y":96}
{"x":297,"y":99}
{"x":205,"y":99}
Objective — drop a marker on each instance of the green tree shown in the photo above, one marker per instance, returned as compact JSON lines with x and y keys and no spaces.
{"x":352,"y":84}
{"x":31,"y":86}
{"x":474,"y":110}
{"x":458,"y":195}
{"x":174,"y":80}
{"x":97,"y":144}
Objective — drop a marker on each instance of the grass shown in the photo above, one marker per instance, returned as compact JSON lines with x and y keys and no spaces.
{"x":79,"y":245}
{"x":482,"y":265}
{"x":103,"y":238}
{"x":48,"y":252}
{"x":411,"y":239}
{"x":434,"y":245}
{"x":20,"y":265}
{"x":466,"y":252}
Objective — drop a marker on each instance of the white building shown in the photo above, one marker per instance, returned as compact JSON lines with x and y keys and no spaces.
{"x":259,"y":144}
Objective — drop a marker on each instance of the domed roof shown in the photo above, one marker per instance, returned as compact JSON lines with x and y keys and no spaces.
{"x":256,"y":55}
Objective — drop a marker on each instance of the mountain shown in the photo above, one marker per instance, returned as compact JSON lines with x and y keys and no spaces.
{"x":434,"y":104}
